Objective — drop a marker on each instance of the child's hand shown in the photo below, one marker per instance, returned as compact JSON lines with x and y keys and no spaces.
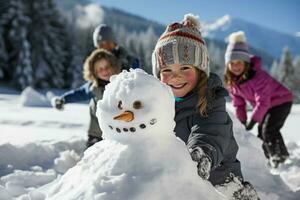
{"x":204,"y":162}
{"x":250,"y":125}
{"x":58,"y":103}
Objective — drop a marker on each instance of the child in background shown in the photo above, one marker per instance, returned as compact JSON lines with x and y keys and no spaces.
{"x":104,"y":38}
{"x":98,"y":68}
{"x":180,"y":60}
{"x":271,"y":101}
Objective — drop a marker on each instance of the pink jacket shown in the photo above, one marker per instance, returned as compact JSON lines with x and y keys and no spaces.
{"x":262,"y":91}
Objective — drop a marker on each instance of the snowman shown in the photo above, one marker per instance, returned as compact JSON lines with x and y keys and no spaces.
{"x":140,"y":157}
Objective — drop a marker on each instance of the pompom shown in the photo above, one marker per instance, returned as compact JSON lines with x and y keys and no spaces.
{"x":238,"y":36}
{"x":193,"y":20}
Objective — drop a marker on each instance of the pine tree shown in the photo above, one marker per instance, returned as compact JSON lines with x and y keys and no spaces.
{"x":286,"y":67}
{"x":216,"y":58}
{"x":23,"y":70}
{"x":296,"y":79}
{"x":47,"y":39}
{"x":3,"y":54}
{"x":4,"y":5}
{"x":74,"y":61}
{"x":148,"y":39}
{"x":20,"y":69}
{"x":287,"y":72}
{"x":274,"y":69}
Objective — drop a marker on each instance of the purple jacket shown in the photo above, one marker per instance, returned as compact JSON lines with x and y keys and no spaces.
{"x":262,"y":91}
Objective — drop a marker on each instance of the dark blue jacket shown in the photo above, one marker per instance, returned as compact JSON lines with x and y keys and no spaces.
{"x":82,"y":93}
{"x":213,"y":133}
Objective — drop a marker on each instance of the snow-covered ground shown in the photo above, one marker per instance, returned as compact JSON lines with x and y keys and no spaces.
{"x":289,"y":130}
{"x":39,"y":144}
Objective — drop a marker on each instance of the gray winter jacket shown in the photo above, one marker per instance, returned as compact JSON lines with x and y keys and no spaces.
{"x":94,"y":128}
{"x":213,"y":134}
{"x":89,"y":91}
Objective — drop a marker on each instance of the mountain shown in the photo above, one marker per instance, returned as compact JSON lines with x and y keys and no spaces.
{"x":258,"y":36}
{"x":68,"y":5}
{"x":217,"y":46}
{"x":131,"y":22}
{"x":122,"y":21}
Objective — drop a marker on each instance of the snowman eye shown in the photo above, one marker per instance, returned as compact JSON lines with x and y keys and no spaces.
{"x":137,"y":105}
{"x":120,"y":105}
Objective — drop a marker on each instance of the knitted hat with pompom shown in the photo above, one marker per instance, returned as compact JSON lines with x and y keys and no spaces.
{"x":237,"y":48}
{"x":181,"y":43}
{"x":101,"y":33}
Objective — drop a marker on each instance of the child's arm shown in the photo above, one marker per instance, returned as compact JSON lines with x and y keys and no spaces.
{"x":82,"y":93}
{"x":240,"y":107}
{"x":212,"y":135}
{"x":262,"y":96}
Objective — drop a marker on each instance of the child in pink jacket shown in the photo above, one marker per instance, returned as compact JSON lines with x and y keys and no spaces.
{"x":270,"y":100}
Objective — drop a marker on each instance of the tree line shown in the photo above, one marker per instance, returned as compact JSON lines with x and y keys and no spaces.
{"x":41,"y":46}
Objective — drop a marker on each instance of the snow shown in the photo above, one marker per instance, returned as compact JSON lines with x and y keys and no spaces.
{"x":260,"y":37}
{"x":221,"y":23}
{"x":41,"y":151}
{"x":30,"y":97}
{"x":90,"y":15}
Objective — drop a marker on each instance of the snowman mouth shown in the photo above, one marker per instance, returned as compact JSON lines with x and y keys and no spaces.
{"x":133,"y":129}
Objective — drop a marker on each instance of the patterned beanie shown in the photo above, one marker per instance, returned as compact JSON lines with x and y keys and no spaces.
{"x":237,"y":48}
{"x":181,"y":43}
{"x":103,"y":33}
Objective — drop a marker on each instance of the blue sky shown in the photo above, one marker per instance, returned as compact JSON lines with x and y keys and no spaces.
{"x":280,"y":15}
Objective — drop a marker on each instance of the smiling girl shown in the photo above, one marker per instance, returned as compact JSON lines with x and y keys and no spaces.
{"x":180,"y":60}
{"x":270,"y":100}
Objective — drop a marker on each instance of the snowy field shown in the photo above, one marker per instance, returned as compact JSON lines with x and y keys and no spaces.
{"x":39,"y":144}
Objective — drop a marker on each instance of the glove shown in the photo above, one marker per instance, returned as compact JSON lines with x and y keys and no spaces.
{"x":204,"y":162}
{"x":250,"y":125}
{"x":58,"y":103}
{"x":247,"y":191}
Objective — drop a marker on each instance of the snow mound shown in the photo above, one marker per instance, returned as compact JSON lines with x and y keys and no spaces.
{"x":108,"y":172}
{"x":31,"y":98}
{"x":255,"y":169}
{"x":27,"y":167}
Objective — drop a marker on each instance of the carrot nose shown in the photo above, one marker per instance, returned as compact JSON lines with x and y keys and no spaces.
{"x":126,"y":116}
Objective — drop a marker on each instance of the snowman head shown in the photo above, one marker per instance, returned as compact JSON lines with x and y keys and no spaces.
{"x":136,"y":104}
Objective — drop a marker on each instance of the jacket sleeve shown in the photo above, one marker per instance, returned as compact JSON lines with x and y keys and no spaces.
{"x":262,"y":96}
{"x":240,"y":106}
{"x":82,"y":93}
{"x":212,"y":134}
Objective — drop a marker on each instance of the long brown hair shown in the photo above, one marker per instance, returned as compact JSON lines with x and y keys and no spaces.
{"x":203,"y":92}
{"x":96,"y":55}
{"x":231,"y":79}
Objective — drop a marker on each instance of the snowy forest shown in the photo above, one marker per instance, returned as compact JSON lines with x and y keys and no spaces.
{"x":43,"y":44}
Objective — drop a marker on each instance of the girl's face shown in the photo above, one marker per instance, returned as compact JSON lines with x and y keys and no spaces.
{"x":181,"y":78}
{"x":103,"y":70}
{"x":237,"y":67}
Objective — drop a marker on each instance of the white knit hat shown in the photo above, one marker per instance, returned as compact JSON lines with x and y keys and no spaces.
{"x":237,"y":48}
{"x":181,"y":43}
